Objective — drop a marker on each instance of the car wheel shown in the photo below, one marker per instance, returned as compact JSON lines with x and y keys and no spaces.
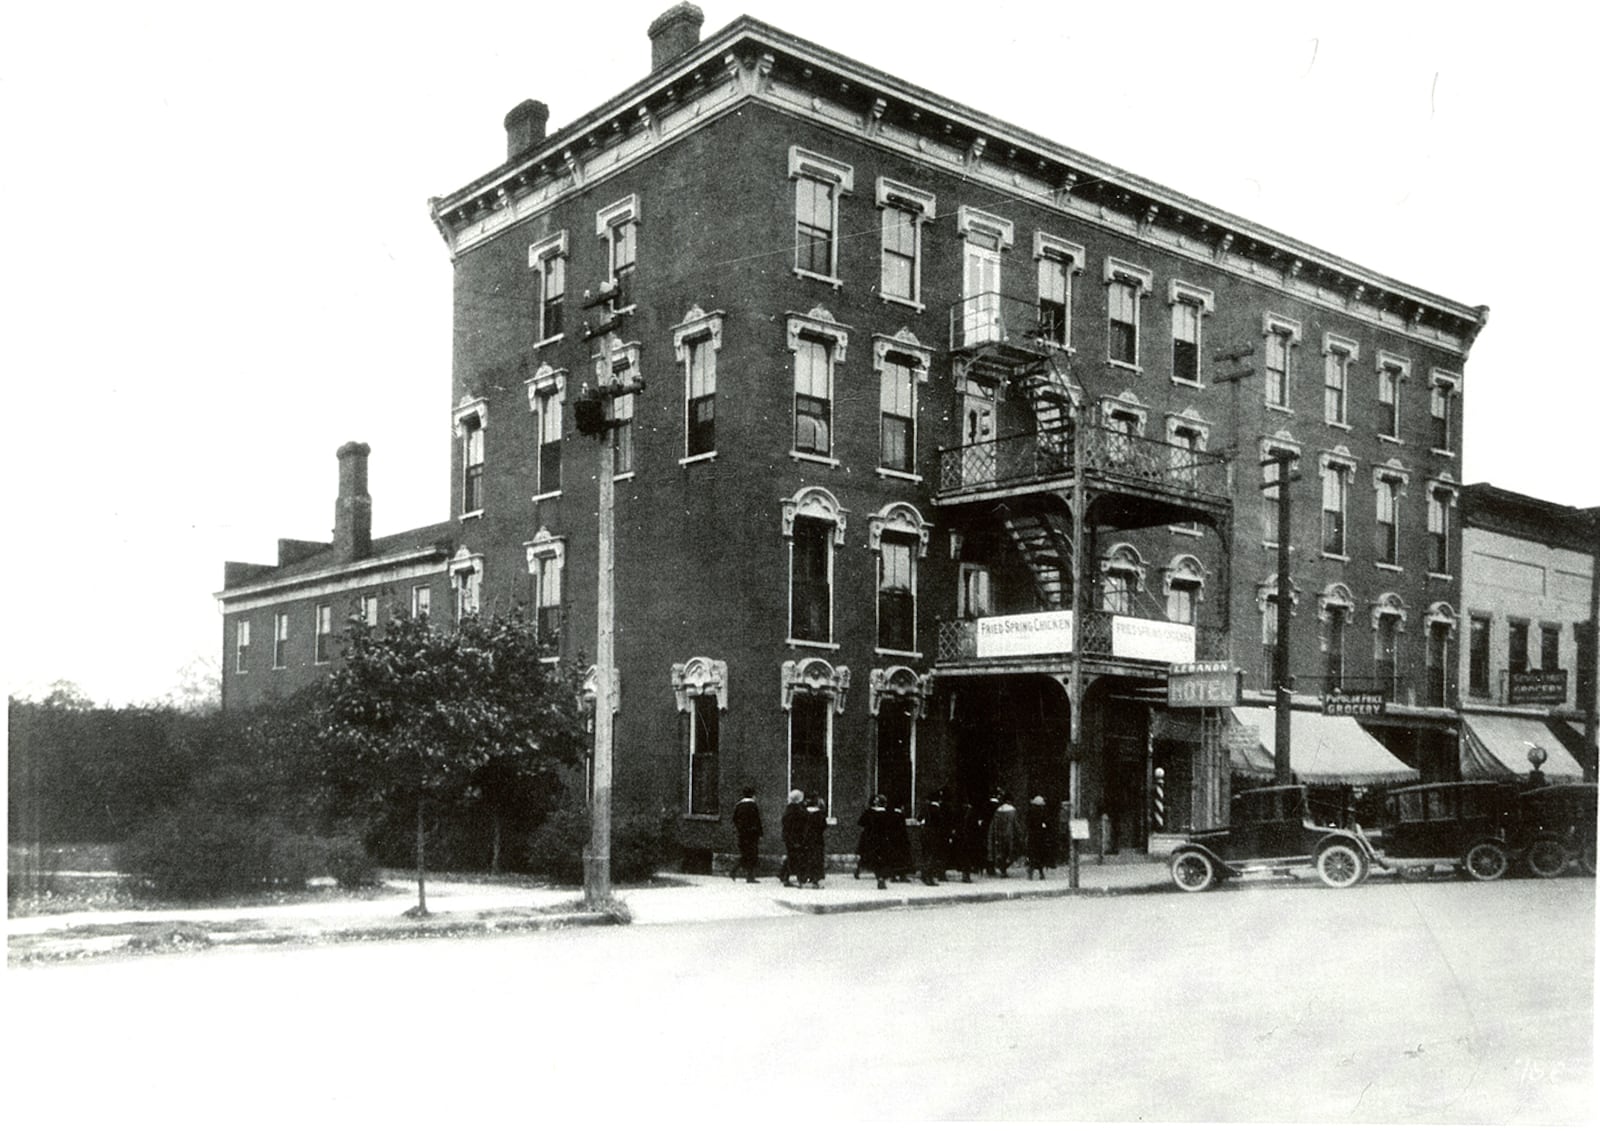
{"x":1341,"y":866}
{"x":1193,"y":871}
{"x":1547,"y":858}
{"x":1486,"y":861}
{"x":1586,"y":857}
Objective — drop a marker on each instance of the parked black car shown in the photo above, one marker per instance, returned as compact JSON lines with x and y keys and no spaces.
{"x":1466,"y":825}
{"x":1271,"y":831}
{"x":1555,"y":827}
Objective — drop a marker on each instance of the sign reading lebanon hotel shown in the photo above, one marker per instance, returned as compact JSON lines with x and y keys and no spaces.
{"x":1034,"y":634}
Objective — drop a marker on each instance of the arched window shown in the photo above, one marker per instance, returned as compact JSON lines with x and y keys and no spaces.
{"x":813,"y":522}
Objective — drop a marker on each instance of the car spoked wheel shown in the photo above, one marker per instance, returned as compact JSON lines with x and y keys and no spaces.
{"x":1193,"y":871}
{"x":1547,"y":858}
{"x":1340,"y":866}
{"x":1486,"y":861}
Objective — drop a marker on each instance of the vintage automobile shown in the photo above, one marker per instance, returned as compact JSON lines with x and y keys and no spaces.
{"x":1464,"y":825}
{"x":1555,"y":827}
{"x":1272,"y":832}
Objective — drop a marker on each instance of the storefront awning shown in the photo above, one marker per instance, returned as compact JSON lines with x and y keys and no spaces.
{"x":1324,"y":750}
{"x":1496,"y":747}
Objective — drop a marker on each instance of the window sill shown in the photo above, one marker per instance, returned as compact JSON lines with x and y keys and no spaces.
{"x":909,"y":302}
{"x":890,"y":473}
{"x":624,"y":477}
{"x":546,"y":496}
{"x":550,"y":341}
{"x":1283,"y":408}
{"x":280,"y":667}
{"x":811,"y":457}
{"x":793,"y":643}
{"x":1130,"y":366}
{"x":549,"y":659}
{"x":1390,"y":567}
{"x":1335,"y":557}
{"x":712,"y":818}
{"x":1341,"y":425}
{"x":1442,"y":452}
{"x":1396,"y":440}
{"x":703,"y":457}
{"x":897,"y":653}
{"x":471,"y":514}
{"x":1440,"y":576}
{"x":832,"y":281}
{"x":1195,"y":384}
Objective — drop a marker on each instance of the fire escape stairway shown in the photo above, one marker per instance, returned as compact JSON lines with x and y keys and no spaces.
{"x":1051,"y":394}
{"x":1046,"y":548}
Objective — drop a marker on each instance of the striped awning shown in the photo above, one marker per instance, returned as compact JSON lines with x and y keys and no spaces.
{"x":1496,"y":747}
{"x":1324,"y":750}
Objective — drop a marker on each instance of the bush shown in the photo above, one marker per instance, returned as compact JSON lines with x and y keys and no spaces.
{"x":639,"y":845}
{"x":197,"y":852}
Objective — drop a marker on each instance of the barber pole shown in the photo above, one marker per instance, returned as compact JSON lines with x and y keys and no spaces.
{"x":1158,"y":800}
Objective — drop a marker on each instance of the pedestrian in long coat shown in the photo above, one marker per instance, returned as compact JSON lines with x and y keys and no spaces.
{"x":747,"y":828}
{"x":813,"y":838}
{"x":793,"y":828}
{"x":1005,"y":835}
{"x":902,"y":862}
{"x":877,"y":839}
{"x":1038,"y":837}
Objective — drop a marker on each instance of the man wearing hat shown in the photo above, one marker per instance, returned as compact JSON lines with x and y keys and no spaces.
{"x":1038,"y":836}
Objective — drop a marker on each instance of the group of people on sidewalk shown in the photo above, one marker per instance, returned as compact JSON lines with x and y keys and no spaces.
{"x":968,"y":837}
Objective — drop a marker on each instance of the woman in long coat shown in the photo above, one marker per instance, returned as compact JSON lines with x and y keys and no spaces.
{"x":1038,"y":837}
{"x":1005,"y":835}
{"x":812,"y":851}
{"x":877,"y":840}
{"x":794,"y":829}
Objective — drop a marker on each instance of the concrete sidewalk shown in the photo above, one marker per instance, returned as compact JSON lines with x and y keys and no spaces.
{"x":470,"y":908}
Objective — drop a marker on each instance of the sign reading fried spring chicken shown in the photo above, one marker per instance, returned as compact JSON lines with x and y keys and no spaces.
{"x":1026,"y":634}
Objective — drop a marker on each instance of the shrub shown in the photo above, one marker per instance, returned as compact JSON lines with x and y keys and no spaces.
{"x":198,"y":852}
{"x":640,"y":840}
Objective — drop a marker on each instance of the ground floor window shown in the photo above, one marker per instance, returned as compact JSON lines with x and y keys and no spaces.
{"x":704,"y":729}
{"x":810,"y":727}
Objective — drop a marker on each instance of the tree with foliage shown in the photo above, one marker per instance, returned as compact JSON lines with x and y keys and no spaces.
{"x":422,"y":717}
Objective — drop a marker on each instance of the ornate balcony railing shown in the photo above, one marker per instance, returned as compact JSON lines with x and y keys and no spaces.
{"x":1109,"y":454}
{"x":992,"y":318}
{"x":958,"y":640}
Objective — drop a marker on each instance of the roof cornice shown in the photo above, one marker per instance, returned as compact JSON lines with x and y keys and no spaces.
{"x":341,"y":572}
{"x":739,"y":62}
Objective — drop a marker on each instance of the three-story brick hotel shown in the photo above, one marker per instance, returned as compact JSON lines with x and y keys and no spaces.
{"x":936,"y":472}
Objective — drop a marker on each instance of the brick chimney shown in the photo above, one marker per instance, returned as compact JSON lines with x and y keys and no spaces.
{"x":673,"y":33}
{"x":525,"y":124}
{"x":352,"y":513}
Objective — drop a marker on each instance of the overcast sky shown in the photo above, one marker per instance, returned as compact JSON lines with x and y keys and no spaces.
{"x":219,"y":264}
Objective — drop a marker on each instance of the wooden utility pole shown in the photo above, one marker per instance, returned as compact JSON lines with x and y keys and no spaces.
{"x":591,"y":412}
{"x":1282,"y":681}
{"x":1589,"y":653}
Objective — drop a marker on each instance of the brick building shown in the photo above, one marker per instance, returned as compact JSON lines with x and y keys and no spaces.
{"x":1528,"y":607}
{"x":933,"y":447}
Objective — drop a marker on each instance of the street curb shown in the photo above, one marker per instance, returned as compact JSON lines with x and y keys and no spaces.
{"x":918,"y":902}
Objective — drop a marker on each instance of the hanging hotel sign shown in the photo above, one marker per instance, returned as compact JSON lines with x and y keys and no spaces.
{"x":1536,"y":687}
{"x":1353,"y":703}
{"x":1209,"y":683}
{"x":1026,"y":634}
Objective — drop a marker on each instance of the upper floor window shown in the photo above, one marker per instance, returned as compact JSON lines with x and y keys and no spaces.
{"x":421,"y":601}
{"x":1441,"y":410}
{"x":324,"y":636}
{"x":616,"y":362}
{"x":618,"y":225}
{"x":369,"y":611}
{"x":697,"y":340}
{"x":1282,"y":335}
{"x":899,"y":535}
{"x":546,"y":563}
{"x":466,"y":578}
{"x":1335,"y":493}
{"x":818,"y":343}
{"x":471,"y":420}
{"x":1549,"y":647}
{"x":985,"y":238}
{"x":1267,"y":597}
{"x":1388,"y":621}
{"x":1271,"y":480}
{"x":241,"y":646}
{"x":548,"y":260}
{"x":1186,"y":435}
{"x":545,"y":399}
{"x":1517,"y":645}
{"x":1478,"y":656}
{"x":1184,"y":581}
{"x":814,"y":524}
{"x":1121,"y":578}
{"x":1189,"y":306}
{"x":819,"y":182}
{"x":1058,"y":261}
{"x":1392,"y":371}
{"x":972,"y":598}
{"x":1440,"y":500}
{"x":280,"y":639}
{"x":1125,"y":285}
{"x":901,"y":364}
{"x":903,"y":210}
{"x":1386,"y":492}
{"x":1338,"y":353}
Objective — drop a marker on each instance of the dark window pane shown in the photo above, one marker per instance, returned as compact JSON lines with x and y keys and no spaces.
{"x":896,"y":620}
{"x":808,"y":744}
{"x":896,"y":453}
{"x":811,"y":424}
{"x":1053,"y":321}
{"x":1123,"y":342}
{"x":550,"y":466}
{"x":1186,"y":360}
{"x":894,"y":756}
{"x":703,"y":425}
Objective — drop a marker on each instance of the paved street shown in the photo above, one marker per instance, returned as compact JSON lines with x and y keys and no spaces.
{"x":1392,"y":1002}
